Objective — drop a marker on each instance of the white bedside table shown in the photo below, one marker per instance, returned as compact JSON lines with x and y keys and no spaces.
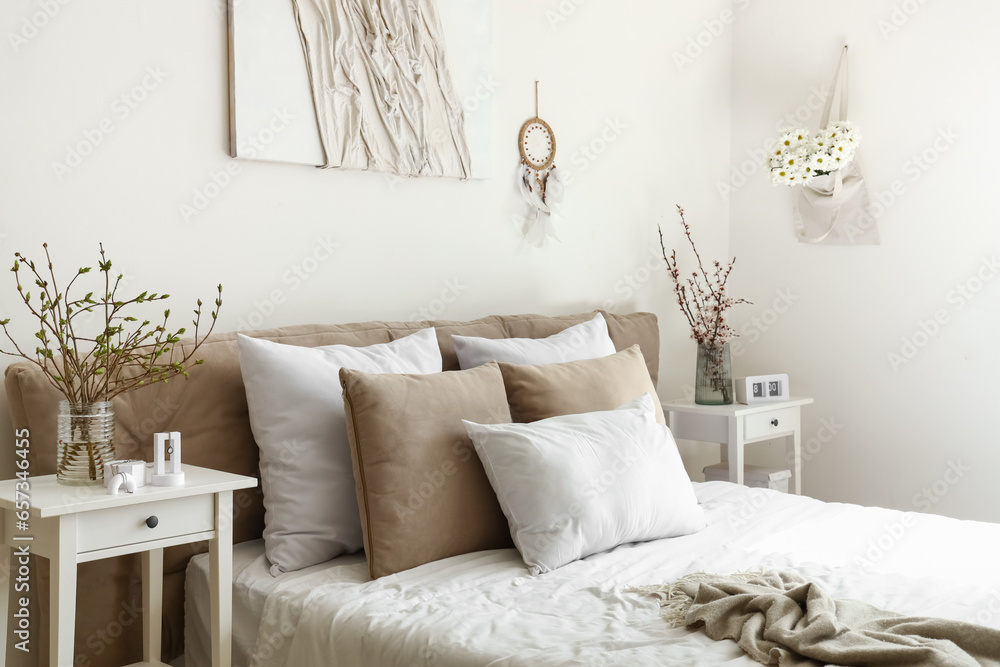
{"x":76,"y":524}
{"x":736,"y":425}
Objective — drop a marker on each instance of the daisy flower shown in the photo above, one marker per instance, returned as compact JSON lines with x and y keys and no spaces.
{"x":820,"y":162}
{"x":798,"y":156}
{"x":780,"y":176}
{"x":843,"y":148}
{"x":804,"y":175}
{"x":792,"y":139}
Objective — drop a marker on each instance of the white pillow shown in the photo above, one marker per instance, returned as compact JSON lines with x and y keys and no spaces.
{"x":577,"y":485}
{"x":587,"y":340}
{"x":297,"y":416}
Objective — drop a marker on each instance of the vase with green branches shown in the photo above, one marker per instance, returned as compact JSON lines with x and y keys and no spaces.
{"x":91,"y":347}
{"x":703,"y":297}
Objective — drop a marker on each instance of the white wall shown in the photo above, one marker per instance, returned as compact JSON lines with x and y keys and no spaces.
{"x":602,"y":65}
{"x":900,"y":425}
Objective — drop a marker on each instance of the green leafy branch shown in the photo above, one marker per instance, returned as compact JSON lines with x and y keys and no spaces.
{"x":124,"y":354}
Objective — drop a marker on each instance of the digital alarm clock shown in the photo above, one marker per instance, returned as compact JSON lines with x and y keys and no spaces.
{"x":762,"y":389}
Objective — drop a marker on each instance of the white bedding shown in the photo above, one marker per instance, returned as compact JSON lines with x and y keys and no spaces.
{"x":484,"y":608}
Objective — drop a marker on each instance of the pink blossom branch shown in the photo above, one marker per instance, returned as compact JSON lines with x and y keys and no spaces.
{"x":704,"y":304}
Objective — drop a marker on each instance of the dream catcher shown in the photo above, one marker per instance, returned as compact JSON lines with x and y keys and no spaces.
{"x":539,"y":179}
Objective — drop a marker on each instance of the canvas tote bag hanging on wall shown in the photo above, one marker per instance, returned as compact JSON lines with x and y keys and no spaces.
{"x":834,"y":209}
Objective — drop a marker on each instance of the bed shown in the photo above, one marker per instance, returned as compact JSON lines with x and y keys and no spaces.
{"x":484,"y":608}
{"x":211,"y":411}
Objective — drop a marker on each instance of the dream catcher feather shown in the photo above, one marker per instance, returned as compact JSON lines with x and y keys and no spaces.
{"x":539,"y":179}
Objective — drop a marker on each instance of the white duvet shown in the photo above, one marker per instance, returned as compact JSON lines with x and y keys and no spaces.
{"x":485,"y":609}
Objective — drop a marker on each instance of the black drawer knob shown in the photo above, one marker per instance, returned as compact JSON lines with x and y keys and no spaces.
{"x":774,"y":422}
{"x":152,"y":522}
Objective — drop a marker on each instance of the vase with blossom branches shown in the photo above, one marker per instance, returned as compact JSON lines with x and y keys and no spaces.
{"x":91,"y":348}
{"x":703,"y":297}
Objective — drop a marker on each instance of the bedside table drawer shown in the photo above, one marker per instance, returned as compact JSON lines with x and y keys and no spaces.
{"x":763,"y":424}
{"x":120,"y":526}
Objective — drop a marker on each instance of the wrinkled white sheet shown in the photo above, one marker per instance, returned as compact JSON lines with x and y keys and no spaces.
{"x":484,"y":608}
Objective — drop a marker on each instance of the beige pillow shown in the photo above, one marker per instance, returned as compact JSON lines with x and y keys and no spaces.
{"x":422,"y":491}
{"x":575,"y":387}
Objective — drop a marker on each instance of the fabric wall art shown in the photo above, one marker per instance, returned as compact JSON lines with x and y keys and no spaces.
{"x":396,"y":86}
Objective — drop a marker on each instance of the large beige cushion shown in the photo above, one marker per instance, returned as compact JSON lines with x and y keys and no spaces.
{"x":591,"y":385}
{"x":422,"y":490}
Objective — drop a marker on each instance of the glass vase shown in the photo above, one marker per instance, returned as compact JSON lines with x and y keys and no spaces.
{"x":86,"y":442}
{"x":714,"y":376}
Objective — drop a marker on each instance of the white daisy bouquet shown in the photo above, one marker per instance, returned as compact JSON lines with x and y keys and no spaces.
{"x":798,"y":156}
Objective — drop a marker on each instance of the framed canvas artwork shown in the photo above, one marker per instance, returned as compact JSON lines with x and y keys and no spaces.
{"x":404,"y":88}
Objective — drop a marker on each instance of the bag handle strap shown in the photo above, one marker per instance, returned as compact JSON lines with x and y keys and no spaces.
{"x":840,"y":81}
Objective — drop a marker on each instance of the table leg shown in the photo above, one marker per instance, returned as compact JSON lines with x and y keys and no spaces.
{"x":735,"y":450}
{"x":152,"y":604}
{"x":793,"y":453}
{"x":62,"y":594}
{"x":220,"y":555}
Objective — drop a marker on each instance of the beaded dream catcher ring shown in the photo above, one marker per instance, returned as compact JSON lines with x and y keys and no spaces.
{"x":539,"y":179}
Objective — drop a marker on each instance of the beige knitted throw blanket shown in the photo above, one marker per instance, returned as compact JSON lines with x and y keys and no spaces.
{"x":779,"y":618}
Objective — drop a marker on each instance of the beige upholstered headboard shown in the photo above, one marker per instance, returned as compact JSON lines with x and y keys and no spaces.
{"x":210,"y":409}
